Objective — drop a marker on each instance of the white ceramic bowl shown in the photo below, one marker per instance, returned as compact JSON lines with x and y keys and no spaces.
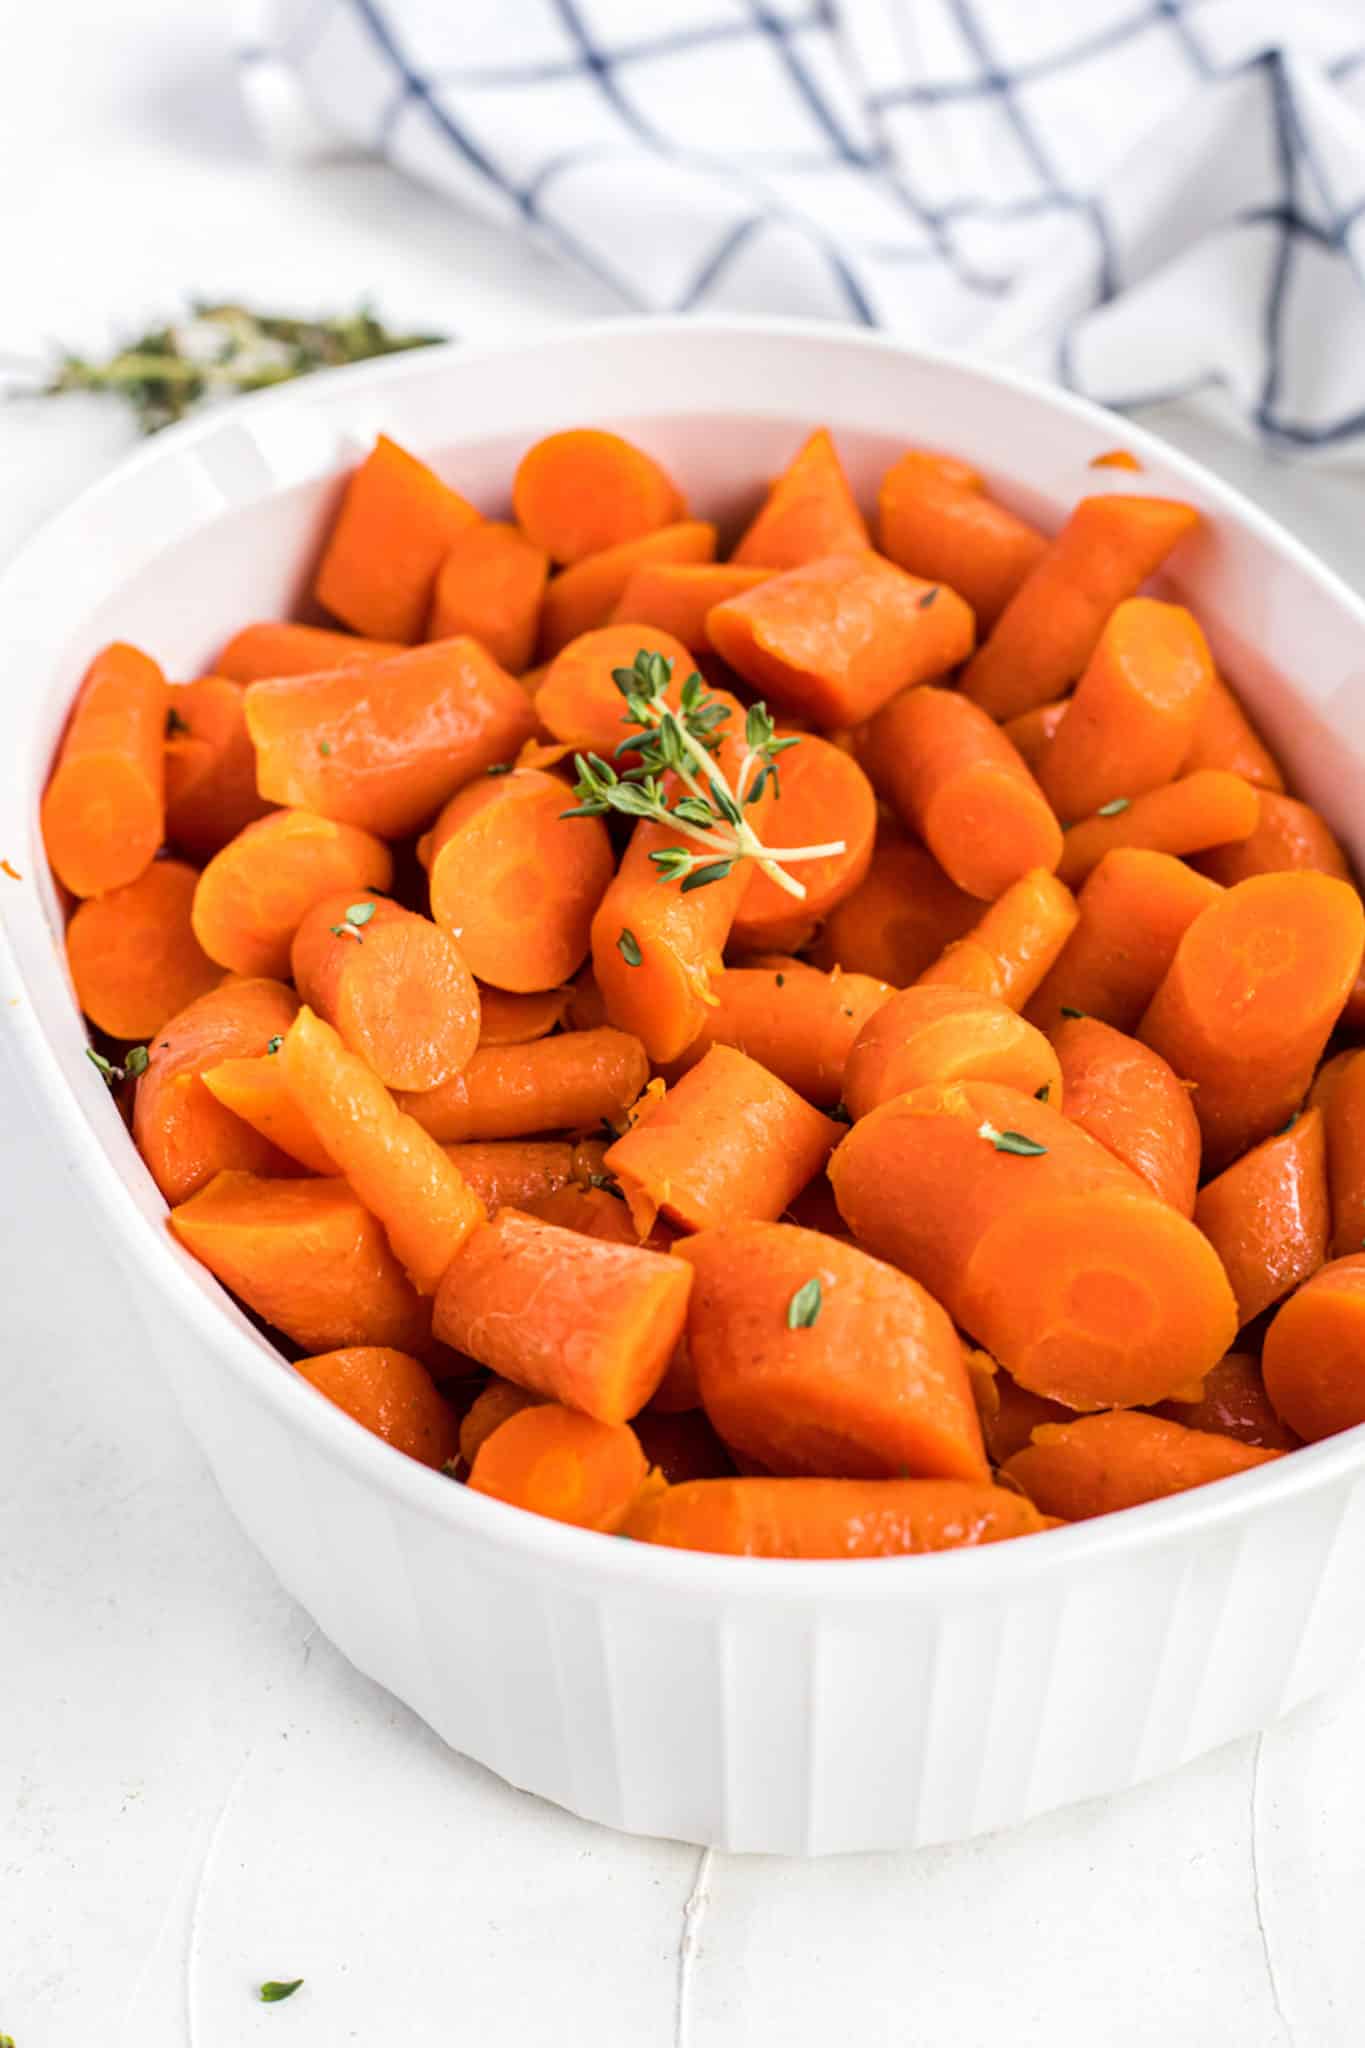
{"x":751,"y":1704}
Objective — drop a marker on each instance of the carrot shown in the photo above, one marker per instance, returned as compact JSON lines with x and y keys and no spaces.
{"x":586,"y":594}
{"x":1030,"y":734}
{"x":497,"y":1403}
{"x":275,"y":647}
{"x":554,"y":1461}
{"x":183,"y":1134}
{"x":1288,"y":834}
{"x":507,"y":1173}
{"x":1233,"y":1402}
{"x":256,"y":1091}
{"x":1106,"y":1462}
{"x":936,"y":520}
{"x":836,"y":639}
{"x":589,"y":1323}
{"x":809,"y":511}
{"x":1132,"y":912}
{"x":1224,"y":737}
{"x":133,"y":958}
{"x":210,"y":766}
{"x":1048,"y":630}
{"x":396,"y":524}
{"x":1268,"y":1216}
{"x":899,"y":918}
{"x":1011,"y":949}
{"x":675,"y":597}
{"x":1129,"y":725}
{"x":103,"y":811}
{"x":1313,"y":1358}
{"x":553,"y":1084}
{"x":578,"y":701}
{"x":579,"y":492}
{"x":1187,"y":816}
{"x":515,"y":881}
{"x":938,"y":1035}
{"x":830,"y":1517}
{"x":1128,"y":1099}
{"x":1009,"y":1413}
{"x":518,"y":1019}
{"x":596,"y":1211}
{"x":1340,"y":1090}
{"x":1250,"y":998}
{"x":384,"y":746}
{"x":396,"y":1169}
{"x":1049,"y":1252}
{"x":731,"y":1143}
{"x":393,"y":986}
{"x":682,"y":1447}
{"x":1115,"y":458}
{"x":392,"y":1395}
{"x":253,"y":895}
{"x":814,"y":1358}
{"x":798,"y":1023}
{"x":490,"y":585}
{"x":307,"y":1257}
{"x":824,"y":797}
{"x":956,"y":781}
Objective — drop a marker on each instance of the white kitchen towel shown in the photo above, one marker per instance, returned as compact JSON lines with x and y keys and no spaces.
{"x":1143,"y":198}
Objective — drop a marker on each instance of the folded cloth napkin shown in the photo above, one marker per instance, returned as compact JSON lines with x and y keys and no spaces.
{"x":1142,"y":197}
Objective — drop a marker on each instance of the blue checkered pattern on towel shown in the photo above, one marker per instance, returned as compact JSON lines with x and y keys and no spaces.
{"x":1141,"y":197}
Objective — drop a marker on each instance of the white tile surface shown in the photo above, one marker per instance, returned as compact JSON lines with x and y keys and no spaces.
{"x":195,"y":1791}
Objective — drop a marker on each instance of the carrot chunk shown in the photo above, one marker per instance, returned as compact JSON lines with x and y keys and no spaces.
{"x":1127,"y":1098}
{"x":496,"y":1404}
{"x":184,"y":1135}
{"x":586,"y":594}
{"x":899,"y":919}
{"x":580,"y":704}
{"x":579,"y":492}
{"x":1268,"y":1216}
{"x":937,"y":1035}
{"x":675,"y":597}
{"x":1186,"y":816}
{"x":103,"y":811}
{"x":1225,"y":738}
{"x":256,"y":1091}
{"x":1106,"y":1462}
{"x":133,"y":957}
{"x":936,"y":520}
{"x":396,"y":524}
{"x":1287,"y":834}
{"x":393,"y":985}
{"x":1314,"y":1353}
{"x":275,"y":647}
{"x":1340,"y":1092}
{"x":823,"y":797}
{"x":809,"y":511}
{"x":1132,"y":912}
{"x":797,"y":1022}
{"x":506,"y":1019}
{"x":577,"y":1079}
{"x":210,"y":766}
{"x":490,"y":586}
{"x":509,"y":1173}
{"x":555,"y":1461}
{"x":1011,"y":949}
{"x":831,"y":1517}
{"x":252,"y":897}
{"x":392,"y":1395}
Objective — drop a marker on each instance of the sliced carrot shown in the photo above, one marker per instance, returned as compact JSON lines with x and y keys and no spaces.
{"x":1127,"y":1098}
{"x":1314,"y":1352}
{"x":797,"y":1022}
{"x":579,"y":492}
{"x":554,"y":1461}
{"x":1225,"y":738}
{"x":184,"y":1135}
{"x":1206,"y":809}
{"x":831,"y":1517}
{"x":395,"y":526}
{"x":1268,"y":1215}
{"x":809,"y":511}
{"x":394,"y":986}
{"x":1132,"y":912}
{"x":497,"y":1403}
{"x":899,"y":918}
{"x":676,"y":597}
{"x":1106,"y":1462}
{"x":133,"y":957}
{"x":490,"y":585}
{"x":507,"y":1173}
{"x":1233,"y":1402}
{"x":275,"y":647}
{"x":1030,"y":734}
{"x":1288,"y":834}
{"x":256,"y":1091}
{"x":938,"y":1035}
{"x":823,"y":797}
{"x":517,"y":1019}
{"x":579,"y":702}
{"x":586,"y":594}
{"x":936,"y":520}
{"x":253,"y":896}
{"x":392,"y":1395}
{"x":1010,"y":951}
{"x":103,"y":811}
{"x":210,"y":766}
{"x":573,"y":1080}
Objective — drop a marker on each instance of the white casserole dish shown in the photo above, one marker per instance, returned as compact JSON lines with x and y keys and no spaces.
{"x":755,"y":1705}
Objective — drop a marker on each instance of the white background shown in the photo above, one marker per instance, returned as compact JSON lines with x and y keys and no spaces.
{"x":196,"y":1793}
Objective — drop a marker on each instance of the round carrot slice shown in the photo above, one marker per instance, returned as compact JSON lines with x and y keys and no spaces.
{"x":133,"y":957}
{"x":578,"y":492}
{"x":578,"y":701}
{"x":394,"y":986}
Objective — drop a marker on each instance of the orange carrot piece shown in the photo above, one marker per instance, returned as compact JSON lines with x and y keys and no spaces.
{"x":306,"y":1256}
{"x":393,"y":986}
{"x":675,"y":597}
{"x":578,"y":1078}
{"x":1048,"y":630}
{"x":210,"y":766}
{"x":1313,"y":1358}
{"x":515,"y":881}
{"x":1224,"y":737}
{"x":183,"y":1134}
{"x":1127,"y":1098}
{"x":275,"y":647}
{"x":518,"y":1019}
{"x":133,"y":958}
{"x":899,"y":918}
{"x":837,"y":638}
{"x":499,"y":1401}
{"x":1340,"y":1090}
{"x":597,"y":1212}
{"x":490,"y":585}
{"x":579,"y":492}
{"x":809,"y":511}
{"x":1206,"y":809}
{"x":1288,"y":834}
{"x":507,"y":1173}
{"x":798,"y":1023}
{"x":937,"y":1035}
{"x":825,"y":797}
{"x":384,"y":746}
{"x":1115,"y":458}
{"x":1233,"y":1402}
{"x":1031,"y":733}
{"x":392,"y":1395}
{"x":578,"y":701}
{"x":814,"y":1358}
{"x":1250,"y":999}
{"x":1268,"y":1215}
{"x":252,"y":896}
{"x":555,"y":1461}
{"x":830,"y":1517}
{"x":256,"y":1091}
{"x":1010,"y":951}
{"x":1132,"y":912}
{"x":586,"y":594}
{"x":395,"y":527}
{"x":936,"y":520}
{"x":1106,"y":1462}
{"x":1009,"y":1413}
{"x":1051,"y":1254}
{"x":589,"y":1323}
{"x":103,"y":811}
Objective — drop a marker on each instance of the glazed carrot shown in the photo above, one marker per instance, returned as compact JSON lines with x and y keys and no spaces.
{"x":1224,"y":737}
{"x":274,"y":647}
{"x":1313,"y":1358}
{"x":1340,"y":1093}
{"x":579,"y":492}
{"x":836,"y":639}
{"x":575,"y":1079}
{"x":936,"y":520}
{"x":183,"y":1134}
{"x":393,"y":986}
{"x":385,"y":745}
{"x":597,"y":1212}
{"x":507,"y":1173}
{"x":1127,"y":1098}
{"x":103,"y":811}
{"x":1115,"y":458}
{"x":394,"y":1166}
{"x":515,"y":881}
{"x":1106,"y":1462}
{"x":797,"y":1022}
{"x":1048,"y":630}
{"x":589,"y":1323}
{"x":676,"y":597}
{"x":1009,"y":1413}
{"x":1030,"y":734}
{"x":830,"y":1517}
{"x":253,"y":895}
{"x":1233,"y":1402}
{"x":899,"y":918}
{"x":517,"y":1019}
{"x":809,"y":511}
{"x":1134,"y":712}
{"x":587,"y":594}
{"x":578,"y":701}
{"x":926,"y":1035}
{"x":1012,"y":948}
{"x":395,"y":526}
{"x":256,"y":1091}
{"x":825,"y":797}
{"x":210,"y":766}
{"x":731,"y":1143}
{"x":956,"y":780}
{"x":308,"y":1257}
{"x":1198,"y":811}
{"x":1049,"y":1252}
{"x":1268,"y":1216}
{"x":490,"y":585}
{"x":1132,"y":912}
{"x":1249,"y":1001}
{"x":391,"y":1394}
{"x":498,"y":1402}
{"x":555,"y":1461}
{"x":814,"y":1358}
{"x":682,"y":1447}
{"x":133,"y":958}
{"x":1288,"y":834}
